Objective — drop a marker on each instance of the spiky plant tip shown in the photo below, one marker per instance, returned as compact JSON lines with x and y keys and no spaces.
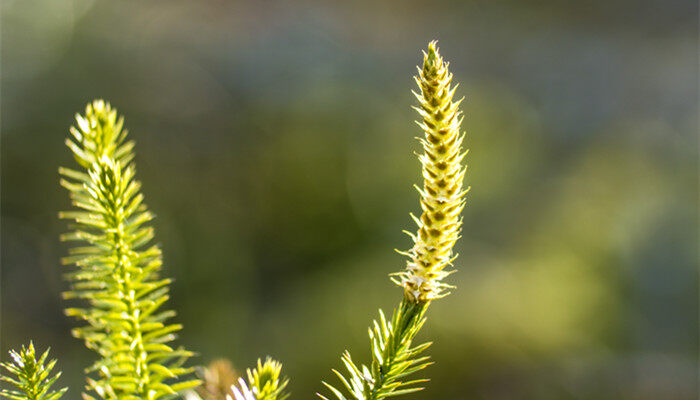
{"x":117,"y":268}
{"x":442,"y":193}
{"x":264,"y":383}
{"x":266,"y":376}
{"x":99,"y":132}
{"x":31,"y":377}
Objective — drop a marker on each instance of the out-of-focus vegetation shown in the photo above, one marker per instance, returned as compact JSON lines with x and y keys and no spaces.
{"x":274,"y":144}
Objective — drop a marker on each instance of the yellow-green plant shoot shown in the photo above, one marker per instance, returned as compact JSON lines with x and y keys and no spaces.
{"x":264,"y":383}
{"x":394,"y":357}
{"x":117,"y":269}
{"x":30,"y":377}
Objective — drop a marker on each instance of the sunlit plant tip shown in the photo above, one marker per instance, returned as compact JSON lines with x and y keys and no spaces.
{"x":264,"y":383}
{"x":442,"y":194}
{"x":30,"y":377}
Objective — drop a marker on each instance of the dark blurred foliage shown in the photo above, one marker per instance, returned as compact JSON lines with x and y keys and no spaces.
{"x":275,"y":145}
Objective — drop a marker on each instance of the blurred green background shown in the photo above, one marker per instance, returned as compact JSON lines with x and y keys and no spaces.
{"x":275,"y":144}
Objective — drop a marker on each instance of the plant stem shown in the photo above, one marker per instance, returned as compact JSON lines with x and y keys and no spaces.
{"x":126,"y":293}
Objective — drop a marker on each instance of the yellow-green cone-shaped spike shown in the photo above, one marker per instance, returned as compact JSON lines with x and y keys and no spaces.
{"x":442,"y":195}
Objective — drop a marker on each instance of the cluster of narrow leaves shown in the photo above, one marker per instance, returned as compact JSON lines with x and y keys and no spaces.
{"x":442,"y":200}
{"x":264,"y":383}
{"x":117,"y":269}
{"x":30,"y":377}
{"x":394,"y":357}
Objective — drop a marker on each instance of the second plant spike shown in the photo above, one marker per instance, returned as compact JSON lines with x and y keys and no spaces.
{"x":117,"y":269}
{"x":394,"y":357}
